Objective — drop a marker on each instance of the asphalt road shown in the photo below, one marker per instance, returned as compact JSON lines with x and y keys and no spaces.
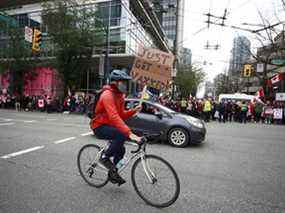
{"x":239,"y":168}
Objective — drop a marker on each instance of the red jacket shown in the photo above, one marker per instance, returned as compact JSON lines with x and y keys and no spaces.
{"x":110,"y":110}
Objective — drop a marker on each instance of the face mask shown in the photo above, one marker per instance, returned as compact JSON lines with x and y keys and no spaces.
{"x":122,"y":87}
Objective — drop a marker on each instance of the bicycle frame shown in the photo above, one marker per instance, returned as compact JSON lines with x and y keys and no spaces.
{"x":141,"y":154}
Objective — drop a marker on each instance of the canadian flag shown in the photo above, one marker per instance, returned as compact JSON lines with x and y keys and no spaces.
{"x":260,"y":93}
{"x":277,"y":78}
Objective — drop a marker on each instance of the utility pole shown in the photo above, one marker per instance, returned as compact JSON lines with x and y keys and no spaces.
{"x":179,"y":16}
{"x":107,"y":59}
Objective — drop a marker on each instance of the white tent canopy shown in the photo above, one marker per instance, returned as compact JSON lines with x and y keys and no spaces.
{"x":236,"y":96}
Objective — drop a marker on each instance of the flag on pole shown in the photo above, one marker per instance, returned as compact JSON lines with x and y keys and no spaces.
{"x":275,"y":79}
{"x":143,"y":94}
{"x":260,"y":93}
{"x":147,"y":95}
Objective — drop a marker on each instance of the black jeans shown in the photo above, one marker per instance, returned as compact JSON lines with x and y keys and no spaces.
{"x":117,"y":139}
{"x":243,"y":116}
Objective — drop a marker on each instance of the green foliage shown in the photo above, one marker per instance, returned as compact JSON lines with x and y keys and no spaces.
{"x":75,"y":31}
{"x":220,"y":85}
{"x":188,"y":78}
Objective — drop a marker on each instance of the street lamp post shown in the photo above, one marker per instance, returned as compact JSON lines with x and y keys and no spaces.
{"x":175,"y":48}
{"x":107,"y":59}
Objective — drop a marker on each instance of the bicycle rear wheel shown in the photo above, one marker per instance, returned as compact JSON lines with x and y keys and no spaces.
{"x":164,"y":187}
{"x":90,"y":170}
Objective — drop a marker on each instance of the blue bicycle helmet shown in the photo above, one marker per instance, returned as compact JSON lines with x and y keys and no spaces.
{"x":117,"y":75}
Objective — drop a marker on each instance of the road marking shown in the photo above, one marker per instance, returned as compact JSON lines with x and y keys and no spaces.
{"x":87,"y":133}
{"x":8,"y":119}
{"x":22,"y":152}
{"x":32,"y":121}
{"x":51,"y":119}
{"x":64,"y":140}
{"x":6,"y":124}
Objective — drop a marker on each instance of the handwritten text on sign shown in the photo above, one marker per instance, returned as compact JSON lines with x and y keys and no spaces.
{"x":152,"y":65}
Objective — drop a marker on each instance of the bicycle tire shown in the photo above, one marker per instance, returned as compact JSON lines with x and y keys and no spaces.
{"x":151,"y":201}
{"x":84,"y":173}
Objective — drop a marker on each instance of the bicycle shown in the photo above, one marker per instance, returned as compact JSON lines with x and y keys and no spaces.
{"x":148,"y":174}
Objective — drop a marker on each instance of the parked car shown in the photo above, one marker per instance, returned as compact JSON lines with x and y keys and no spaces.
{"x":177,"y":129}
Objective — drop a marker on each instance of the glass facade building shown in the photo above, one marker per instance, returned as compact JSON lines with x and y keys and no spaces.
{"x":239,"y":55}
{"x":166,"y":11}
{"x":127,"y":34}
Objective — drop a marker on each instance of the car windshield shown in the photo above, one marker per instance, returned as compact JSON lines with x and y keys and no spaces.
{"x":166,"y":109}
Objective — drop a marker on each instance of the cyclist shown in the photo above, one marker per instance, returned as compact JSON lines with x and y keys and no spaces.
{"x":109,"y":124}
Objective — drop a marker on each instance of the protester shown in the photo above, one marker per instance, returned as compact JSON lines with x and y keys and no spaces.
{"x":207,"y":110}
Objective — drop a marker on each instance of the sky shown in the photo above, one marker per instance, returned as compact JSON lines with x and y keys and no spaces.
{"x":239,"y":12}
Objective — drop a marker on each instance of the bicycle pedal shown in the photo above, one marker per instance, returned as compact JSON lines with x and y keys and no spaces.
{"x":113,"y":181}
{"x":121,"y":183}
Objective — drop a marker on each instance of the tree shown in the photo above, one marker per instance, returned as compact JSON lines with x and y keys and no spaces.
{"x":75,"y":30}
{"x":222,"y":84}
{"x":16,"y":54}
{"x":188,"y":78}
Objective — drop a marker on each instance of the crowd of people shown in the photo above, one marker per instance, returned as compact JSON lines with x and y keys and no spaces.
{"x":206,"y":109}
{"x":229,"y":110}
{"x":71,"y":103}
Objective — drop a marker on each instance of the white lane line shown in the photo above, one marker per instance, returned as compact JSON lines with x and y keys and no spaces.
{"x":8,"y":119}
{"x":32,"y":121}
{"x":51,"y":119}
{"x":64,"y":140}
{"x":6,"y":124}
{"x":87,"y":133}
{"x":22,"y":152}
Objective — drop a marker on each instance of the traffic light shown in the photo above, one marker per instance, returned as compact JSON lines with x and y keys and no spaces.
{"x":37,"y":40}
{"x":247,"y":70}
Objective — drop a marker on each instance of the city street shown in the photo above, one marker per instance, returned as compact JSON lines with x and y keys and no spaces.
{"x":239,"y":168}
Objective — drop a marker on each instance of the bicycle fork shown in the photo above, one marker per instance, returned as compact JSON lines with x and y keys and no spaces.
{"x":149,"y":173}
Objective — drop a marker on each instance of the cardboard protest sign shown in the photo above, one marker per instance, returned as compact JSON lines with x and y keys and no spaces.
{"x":152,"y":67}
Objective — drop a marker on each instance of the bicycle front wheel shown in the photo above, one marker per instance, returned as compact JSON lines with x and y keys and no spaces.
{"x":89,"y":168}
{"x":155,"y":181}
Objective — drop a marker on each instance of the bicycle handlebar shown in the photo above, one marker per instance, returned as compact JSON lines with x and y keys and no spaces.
{"x":145,"y":139}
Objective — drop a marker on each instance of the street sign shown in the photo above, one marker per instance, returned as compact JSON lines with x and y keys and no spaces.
{"x":278,"y":61}
{"x":280,"y":96}
{"x":259,"y":68}
{"x":28,"y":34}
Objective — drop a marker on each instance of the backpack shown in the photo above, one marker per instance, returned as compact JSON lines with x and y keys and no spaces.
{"x":92,"y":105}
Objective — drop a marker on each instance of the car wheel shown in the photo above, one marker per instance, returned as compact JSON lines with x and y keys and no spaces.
{"x":178,"y":137}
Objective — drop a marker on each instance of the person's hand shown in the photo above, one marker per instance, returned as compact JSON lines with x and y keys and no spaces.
{"x":138,"y":108}
{"x":134,"y":137}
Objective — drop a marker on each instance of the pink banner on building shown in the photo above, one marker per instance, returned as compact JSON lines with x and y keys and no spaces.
{"x":44,"y":81}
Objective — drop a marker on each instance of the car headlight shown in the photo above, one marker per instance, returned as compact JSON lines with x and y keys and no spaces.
{"x":195,"y":122}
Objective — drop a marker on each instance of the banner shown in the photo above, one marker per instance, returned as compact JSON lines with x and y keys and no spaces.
{"x":28,"y":34}
{"x":280,"y":96}
{"x":277,"y":78}
{"x":152,"y":67}
{"x":277,"y":113}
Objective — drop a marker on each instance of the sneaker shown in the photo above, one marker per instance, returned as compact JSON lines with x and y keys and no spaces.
{"x":114,"y":177}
